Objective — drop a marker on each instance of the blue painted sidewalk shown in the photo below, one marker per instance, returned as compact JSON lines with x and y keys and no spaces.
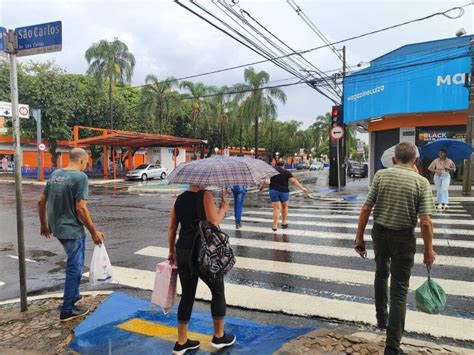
{"x":99,"y":333}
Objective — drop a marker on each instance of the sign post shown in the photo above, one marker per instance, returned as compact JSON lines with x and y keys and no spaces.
{"x":37,"y":116}
{"x":11,"y":49}
{"x":337,"y":133}
{"x":25,"y":41}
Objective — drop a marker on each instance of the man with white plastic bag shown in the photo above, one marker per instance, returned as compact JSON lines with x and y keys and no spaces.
{"x":63,"y":213}
{"x":100,"y":271}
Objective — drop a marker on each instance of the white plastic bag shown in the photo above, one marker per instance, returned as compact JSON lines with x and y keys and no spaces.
{"x":164,"y":290}
{"x":101,"y":270}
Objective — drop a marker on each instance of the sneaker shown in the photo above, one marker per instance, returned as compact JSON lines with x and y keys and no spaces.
{"x":223,"y":342}
{"x":238,"y":226}
{"x":440,"y":206}
{"x":75,"y":313}
{"x":189,"y":345}
{"x":445,"y":207}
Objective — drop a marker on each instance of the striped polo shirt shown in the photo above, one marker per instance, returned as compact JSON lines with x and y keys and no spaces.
{"x":400,"y":195}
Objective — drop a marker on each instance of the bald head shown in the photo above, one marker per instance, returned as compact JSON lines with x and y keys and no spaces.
{"x":78,"y":154}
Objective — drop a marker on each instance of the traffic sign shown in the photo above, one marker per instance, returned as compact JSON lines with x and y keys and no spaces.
{"x":38,"y":39}
{"x":2,"y":29}
{"x":337,"y":132}
{"x":42,"y":147}
{"x":6,"y":110}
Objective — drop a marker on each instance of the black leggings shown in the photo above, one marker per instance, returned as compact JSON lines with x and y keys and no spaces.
{"x":188,"y":276}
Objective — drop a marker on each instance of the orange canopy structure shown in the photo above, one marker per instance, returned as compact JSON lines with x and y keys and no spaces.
{"x":117,"y":138}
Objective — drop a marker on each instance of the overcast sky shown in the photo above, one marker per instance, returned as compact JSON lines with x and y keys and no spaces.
{"x":169,"y":41}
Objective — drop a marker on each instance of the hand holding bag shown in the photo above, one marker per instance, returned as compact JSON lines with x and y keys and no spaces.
{"x":164,"y":290}
{"x":101,"y":270}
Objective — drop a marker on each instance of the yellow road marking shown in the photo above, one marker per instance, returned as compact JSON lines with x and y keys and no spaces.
{"x":137,"y":325}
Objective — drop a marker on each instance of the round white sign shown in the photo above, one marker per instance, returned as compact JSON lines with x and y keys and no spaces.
{"x":42,"y":146}
{"x":337,"y":132}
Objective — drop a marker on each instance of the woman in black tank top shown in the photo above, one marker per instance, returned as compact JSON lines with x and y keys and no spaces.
{"x":186,"y":212}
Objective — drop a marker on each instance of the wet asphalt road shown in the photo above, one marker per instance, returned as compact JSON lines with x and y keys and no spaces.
{"x":135,"y":221}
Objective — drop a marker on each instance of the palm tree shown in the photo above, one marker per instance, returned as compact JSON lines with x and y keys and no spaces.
{"x":196,"y":92}
{"x":257,"y":99}
{"x":110,"y":61}
{"x":222,"y":104}
{"x":156,"y":98}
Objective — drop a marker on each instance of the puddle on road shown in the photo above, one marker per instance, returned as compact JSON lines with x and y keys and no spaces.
{"x":39,"y":254}
{"x":6,"y":246}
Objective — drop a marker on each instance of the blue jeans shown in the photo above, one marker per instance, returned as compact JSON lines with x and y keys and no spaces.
{"x":75,"y":251}
{"x":239,"y":198}
{"x":278,"y":196}
{"x":442,"y":186}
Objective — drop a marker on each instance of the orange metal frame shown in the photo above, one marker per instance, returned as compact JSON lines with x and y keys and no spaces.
{"x":129,"y":139}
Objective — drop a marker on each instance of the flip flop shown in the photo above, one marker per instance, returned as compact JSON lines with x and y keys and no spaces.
{"x":274,"y":229}
{"x":284,"y":226}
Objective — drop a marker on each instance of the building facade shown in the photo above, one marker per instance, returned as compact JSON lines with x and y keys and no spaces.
{"x":417,"y":93}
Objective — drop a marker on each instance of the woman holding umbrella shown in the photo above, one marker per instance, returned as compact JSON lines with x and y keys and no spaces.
{"x":185,"y":212}
{"x":442,"y":166}
{"x":190,"y":207}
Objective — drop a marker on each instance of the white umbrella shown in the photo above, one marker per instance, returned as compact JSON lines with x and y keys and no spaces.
{"x":388,"y":154}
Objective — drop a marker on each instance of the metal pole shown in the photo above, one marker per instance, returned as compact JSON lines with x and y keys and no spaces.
{"x":18,"y":163}
{"x":338,"y":167}
{"x":467,"y":174}
{"x":37,"y":116}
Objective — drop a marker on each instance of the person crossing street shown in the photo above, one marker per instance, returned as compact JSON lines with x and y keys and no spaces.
{"x":399,"y":196}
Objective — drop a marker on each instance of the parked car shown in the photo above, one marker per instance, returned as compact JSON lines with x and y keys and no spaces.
{"x":147,"y":171}
{"x":357,"y":169}
{"x":301,"y":166}
{"x":317,"y":165}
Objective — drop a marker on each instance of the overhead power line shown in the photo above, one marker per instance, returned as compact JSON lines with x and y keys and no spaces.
{"x":315,"y":29}
{"x":217,"y":71}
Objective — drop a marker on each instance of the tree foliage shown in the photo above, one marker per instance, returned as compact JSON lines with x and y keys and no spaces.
{"x":224,"y":116}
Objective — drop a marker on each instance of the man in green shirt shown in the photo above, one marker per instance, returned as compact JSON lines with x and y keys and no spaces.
{"x":63,"y":213}
{"x":399,"y":196}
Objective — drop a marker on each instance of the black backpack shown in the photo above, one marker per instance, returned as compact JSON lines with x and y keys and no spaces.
{"x":215,"y":256}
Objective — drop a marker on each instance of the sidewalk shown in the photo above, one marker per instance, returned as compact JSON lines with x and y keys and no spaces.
{"x":26,"y":181}
{"x":128,"y":324}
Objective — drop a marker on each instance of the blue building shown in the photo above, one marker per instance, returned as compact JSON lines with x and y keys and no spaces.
{"x":417,"y":93}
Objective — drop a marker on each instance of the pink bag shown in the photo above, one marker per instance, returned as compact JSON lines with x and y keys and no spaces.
{"x":164,"y":290}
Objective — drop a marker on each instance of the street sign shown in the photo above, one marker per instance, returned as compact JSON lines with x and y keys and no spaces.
{"x":2,"y":29}
{"x":38,"y":39}
{"x":6,"y":110}
{"x":337,"y":132}
{"x":42,"y":147}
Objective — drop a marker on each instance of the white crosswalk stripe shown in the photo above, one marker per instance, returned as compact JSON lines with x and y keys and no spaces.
{"x":306,"y":305}
{"x":337,"y":235}
{"x":2,"y":283}
{"x":344,"y":276}
{"x":458,"y":261}
{"x":436,"y":219}
{"x":353,"y":207}
{"x":355,"y":212}
{"x":352,"y":225}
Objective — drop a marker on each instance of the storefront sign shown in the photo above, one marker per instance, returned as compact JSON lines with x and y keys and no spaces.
{"x":434,"y":136}
{"x":429,"y":77}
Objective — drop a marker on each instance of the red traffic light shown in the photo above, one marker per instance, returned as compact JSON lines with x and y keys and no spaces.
{"x":335,"y":111}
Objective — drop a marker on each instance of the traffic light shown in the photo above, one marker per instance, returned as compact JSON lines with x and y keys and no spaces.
{"x":336,"y":116}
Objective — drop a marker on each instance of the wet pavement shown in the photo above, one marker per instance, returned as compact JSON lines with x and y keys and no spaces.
{"x":311,"y":262}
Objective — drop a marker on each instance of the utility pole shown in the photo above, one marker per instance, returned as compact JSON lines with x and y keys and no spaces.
{"x":343,"y":142}
{"x":467,"y":174}
{"x":12,"y":50}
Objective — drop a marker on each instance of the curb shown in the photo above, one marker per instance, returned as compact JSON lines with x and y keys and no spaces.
{"x":54,"y":295}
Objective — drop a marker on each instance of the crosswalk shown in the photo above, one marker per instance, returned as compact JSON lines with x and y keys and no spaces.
{"x":311,"y":269}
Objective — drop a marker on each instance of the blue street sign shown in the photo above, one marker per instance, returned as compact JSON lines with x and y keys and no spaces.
{"x":38,"y":39}
{"x":2,"y":29}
